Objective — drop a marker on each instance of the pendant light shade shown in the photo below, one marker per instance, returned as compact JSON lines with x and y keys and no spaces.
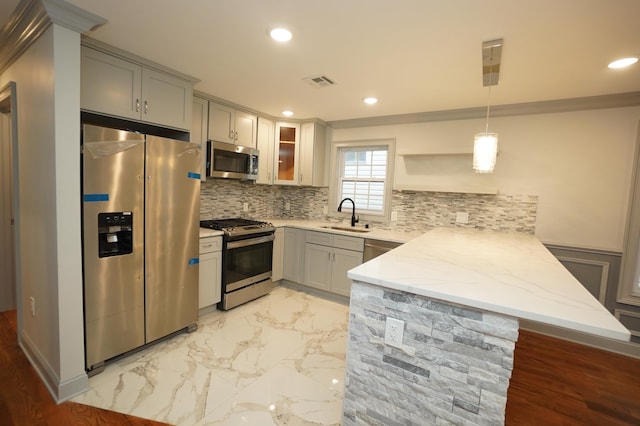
{"x":485,"y":151}
{"x":485,"y":145}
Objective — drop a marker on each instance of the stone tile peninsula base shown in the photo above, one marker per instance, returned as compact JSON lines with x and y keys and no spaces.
{"x":453,"y":368}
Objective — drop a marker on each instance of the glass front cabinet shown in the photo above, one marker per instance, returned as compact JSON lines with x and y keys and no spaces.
{"x":287,"y":153}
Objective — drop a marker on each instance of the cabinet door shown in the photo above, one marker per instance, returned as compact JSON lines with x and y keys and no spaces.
{"x":306,"y":154}
{"x":210,"y":284}
{"x":199,"y":118}
{"x":110,"y":85}
{"x":278,"y":255}
{"x":286,"y":155}
{"x":221,"y":123}
{"x":293,"y":263}
{"x":246,"y":129}
{"x":166,"y":99}
{"x":265,"y":144}
{"x":312,"y":154}
{"x":343,"y":261}
{"x":317,"y":266}
{"x":206,"y":284}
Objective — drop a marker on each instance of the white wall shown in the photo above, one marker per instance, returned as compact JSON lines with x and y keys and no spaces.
{"x":48,"y":105}
{"x":578,"y":163}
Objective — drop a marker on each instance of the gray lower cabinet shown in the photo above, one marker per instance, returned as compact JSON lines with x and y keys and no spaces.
{"x":278,"y":256}
{"x":117,"y":87}
{"x":317,"y":266}
{"x":327,"y":258}
{"x":293,"y":265}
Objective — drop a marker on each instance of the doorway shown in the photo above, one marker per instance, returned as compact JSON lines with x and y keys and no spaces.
{"x":8,"y":236}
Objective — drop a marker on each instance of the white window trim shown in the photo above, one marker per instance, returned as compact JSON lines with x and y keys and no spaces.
{"x":334,"y":183}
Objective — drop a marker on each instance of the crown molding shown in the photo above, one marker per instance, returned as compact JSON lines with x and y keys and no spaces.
{"x":72,"y":17}
{"x":619,"y":100}
{"x":130,"y":57}
{"x":30,"y":20}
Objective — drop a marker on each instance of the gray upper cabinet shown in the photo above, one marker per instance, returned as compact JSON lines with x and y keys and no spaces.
{"x":229,"y":125}
{"x":113,"y":86}
{"x":221,"y":123}
{"x":265,"y":145}
{"x":312,"y":154}
{"x":199,"y":117}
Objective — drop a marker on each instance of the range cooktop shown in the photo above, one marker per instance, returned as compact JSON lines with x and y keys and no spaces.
{"x":237,"y":226}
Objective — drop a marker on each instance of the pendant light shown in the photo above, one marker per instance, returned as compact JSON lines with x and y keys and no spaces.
{"x":485,"y":145}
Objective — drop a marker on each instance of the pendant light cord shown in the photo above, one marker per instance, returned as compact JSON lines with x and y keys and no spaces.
{"x":486,"y":128}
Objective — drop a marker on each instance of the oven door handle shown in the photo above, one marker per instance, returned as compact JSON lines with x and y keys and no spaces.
{"x":249,"y":242}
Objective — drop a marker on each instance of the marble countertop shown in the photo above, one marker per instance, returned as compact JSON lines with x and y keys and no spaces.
{"x":511,"y":274}
{"x":206,"y":232}
{"x":309,"y":225}
{"x":373,"y":233}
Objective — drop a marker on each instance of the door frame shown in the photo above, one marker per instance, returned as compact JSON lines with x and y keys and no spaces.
{"x":8,"y":97}
{"x":628,"y":287}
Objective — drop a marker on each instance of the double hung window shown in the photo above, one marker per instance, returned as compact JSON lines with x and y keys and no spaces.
{"x":363,"y":173}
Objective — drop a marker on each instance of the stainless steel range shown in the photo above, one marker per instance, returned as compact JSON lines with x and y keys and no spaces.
{"x":247,"y":256}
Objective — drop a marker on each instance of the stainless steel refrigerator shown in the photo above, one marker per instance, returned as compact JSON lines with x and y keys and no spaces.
{"x":141,"y":206}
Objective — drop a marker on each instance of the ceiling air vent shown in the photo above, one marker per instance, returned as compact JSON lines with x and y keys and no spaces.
{"x":319,"y":81}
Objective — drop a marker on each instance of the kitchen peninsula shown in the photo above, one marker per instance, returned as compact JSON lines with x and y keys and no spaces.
{"x":460,"y":294}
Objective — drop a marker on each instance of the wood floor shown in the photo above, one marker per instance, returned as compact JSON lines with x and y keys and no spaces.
{"x":24,"y":400}
{"x":554,"y":383}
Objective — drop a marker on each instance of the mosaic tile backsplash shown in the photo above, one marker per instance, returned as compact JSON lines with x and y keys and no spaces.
{"x":417,"y":211}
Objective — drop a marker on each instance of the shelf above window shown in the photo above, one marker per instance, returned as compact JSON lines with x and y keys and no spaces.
{"x":455,"y":188}
{"x":435,"y":153}
{"x":465,"y":153}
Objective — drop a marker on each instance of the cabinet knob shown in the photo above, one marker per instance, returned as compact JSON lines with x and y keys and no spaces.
{"x":235,"y":136}
{"x":146,"y":107}
{"x":137,"y":105}
{"x":231,"y":134}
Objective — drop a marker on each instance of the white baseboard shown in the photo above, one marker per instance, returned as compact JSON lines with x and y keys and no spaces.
{"x":60,"y":390}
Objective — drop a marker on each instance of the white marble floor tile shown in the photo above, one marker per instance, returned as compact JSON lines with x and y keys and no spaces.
{"x":280,"y":397}
{"x":276,"y":360}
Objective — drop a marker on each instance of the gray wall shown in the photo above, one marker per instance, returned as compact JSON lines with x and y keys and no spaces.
{"x":48,"y":218}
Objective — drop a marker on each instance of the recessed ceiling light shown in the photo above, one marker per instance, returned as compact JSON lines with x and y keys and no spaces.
{"x":280,"y":34}
{"x":622,"y":63}
{"x":370,"y":100}
{"x":287,"y":113}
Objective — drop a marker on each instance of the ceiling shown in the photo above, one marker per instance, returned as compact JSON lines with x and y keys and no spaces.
{"x":414,"y":55}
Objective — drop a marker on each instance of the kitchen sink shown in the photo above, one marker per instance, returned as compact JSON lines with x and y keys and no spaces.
{"x":345,"y":228}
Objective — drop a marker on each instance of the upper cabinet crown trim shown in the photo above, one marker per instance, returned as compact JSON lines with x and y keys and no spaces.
{"x":32,"y":17}
{"x":71,"y":16}
{"x":130,"y":57}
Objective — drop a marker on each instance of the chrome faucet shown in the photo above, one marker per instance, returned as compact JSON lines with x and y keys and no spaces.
{"x":353,"y":213}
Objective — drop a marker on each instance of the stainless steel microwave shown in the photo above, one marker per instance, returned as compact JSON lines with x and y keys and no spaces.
{"x":225,"y":160}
